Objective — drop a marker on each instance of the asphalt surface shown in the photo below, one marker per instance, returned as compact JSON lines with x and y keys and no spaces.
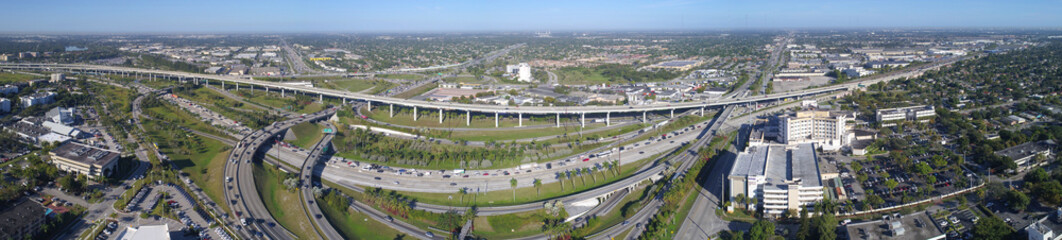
{"x":313,"y":212}
{"x":243,"y":196}
{"x":467,"y":107}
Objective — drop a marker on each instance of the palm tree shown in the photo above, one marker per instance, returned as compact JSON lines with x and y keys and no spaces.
{"x":587,"y":172}
{"x":617,"y":168}
{"x":560,"y":179}
{"x":538,"y":186}
{"x":462,"y":192}
{"x":512,"y":182}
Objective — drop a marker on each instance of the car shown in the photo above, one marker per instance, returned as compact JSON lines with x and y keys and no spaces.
{"x":943,"y":223}
{"x":318,"y":215}
{"x":486,"y":174}
{"x":641,"y":152}
{"x":446,"y":176}
{"x":466,"y":176}
{"x":390,"y":219}
{"x":396,"y":183}
{"x":453,"y":184}
{"x":429,"y":234}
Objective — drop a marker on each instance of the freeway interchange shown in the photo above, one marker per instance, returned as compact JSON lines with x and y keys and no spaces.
{"x":250,"y":212}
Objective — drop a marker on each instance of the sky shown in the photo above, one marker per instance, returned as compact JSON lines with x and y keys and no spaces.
{"x":269,"y":16}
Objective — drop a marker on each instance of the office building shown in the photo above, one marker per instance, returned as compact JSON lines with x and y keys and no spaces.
{"x":20,"y":219}
{"x":890,"y":116}
{"x":1024,"y":155}
{"x":522,"y":71}
{"x":83,"y":159}
{"x":825,"y":128}
{"x":780,"y":177}
{"x":58,"y":77}
{"x":38,"y":98}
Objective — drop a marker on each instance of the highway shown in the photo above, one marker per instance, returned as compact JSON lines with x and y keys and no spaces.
{"x":476,"y":107}
{"x":686,"y":160}
{"x":313,"y":212}
{"x":242,"y":195}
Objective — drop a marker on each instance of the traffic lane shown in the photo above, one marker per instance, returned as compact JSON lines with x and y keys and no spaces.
{"x":497,"y":180}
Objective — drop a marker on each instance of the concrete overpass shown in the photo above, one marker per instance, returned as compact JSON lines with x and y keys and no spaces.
{"x":417,"y":104}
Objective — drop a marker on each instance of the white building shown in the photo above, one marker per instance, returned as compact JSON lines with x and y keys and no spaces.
{"x":1047,"y":228}
{"x":890,"y":116}
{"x":146,"y":232}
{"x":822,"y":127}
{"x":58,"y":77}
{"x":62,"y":115}
{"x":5,"y":105}
{"x":8,"y":89}
{"x":37,"y":99}
{"x":780,"y":177}
{"x":522,"y":71}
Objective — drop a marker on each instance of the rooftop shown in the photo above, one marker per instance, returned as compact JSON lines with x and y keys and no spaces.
{"x":19,"y":215}
{"x":914,"y":226}
{"x":1025,"y":149}
{"x":780,"y":165}
{"x":153,"y":232}
{"x":85,"y":154}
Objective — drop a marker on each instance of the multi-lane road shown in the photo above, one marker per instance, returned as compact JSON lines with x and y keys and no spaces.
{"x":543,"y":110}
{"x":313,"y":211}
{"x":242,"y":195}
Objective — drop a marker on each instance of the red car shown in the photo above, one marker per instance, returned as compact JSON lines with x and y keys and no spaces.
{"x":586,"y":159}
{"x":486,"y":174}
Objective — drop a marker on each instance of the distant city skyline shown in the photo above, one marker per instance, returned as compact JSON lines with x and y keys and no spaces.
{"x":197,"y":16}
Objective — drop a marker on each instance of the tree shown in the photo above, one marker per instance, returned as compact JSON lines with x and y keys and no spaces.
{"x":462,"y":192}
{"x":512,"y":182}
{"x":825,"y":226}
{"x":804,"y":233}
{"x":560,"y":179}
{"x":1018,"y":200}
{"x":891,"y":184}
{"x":1050,"y":192}
{"x":1037,"y":175}
{"x":68,"y":182}
{"x":991,"y":228}
{"x":761,"y":230}
{"x":538,"y":186}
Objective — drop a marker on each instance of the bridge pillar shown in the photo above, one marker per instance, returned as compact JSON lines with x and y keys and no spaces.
{"x":702,"y":111}
{"x":644,"y":119}
{"x":468,"y":118}
{"x":282,"y":94}
{"x":414,"y":113}
{"x":392,"y":110}
{"x":558,"y":119}
{"x":320,"y":98}
{"x":440,"y":115}
{"x":237,"y":85}
{"x":582,"y":120}
{"x":222,"y":85}
{"x":370,"y":104}
{"x":672,"y":113}
{"x":520,"y":118}
{"x":495,"y":119}
{"x":608,"y":119}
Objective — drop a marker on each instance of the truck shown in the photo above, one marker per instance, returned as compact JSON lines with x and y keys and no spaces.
{"x":527,"y":166}
{"x":459,"y":171}
{"x":228,"y":179}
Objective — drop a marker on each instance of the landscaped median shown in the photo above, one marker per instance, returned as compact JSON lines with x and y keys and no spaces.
{"x":566,"y":186}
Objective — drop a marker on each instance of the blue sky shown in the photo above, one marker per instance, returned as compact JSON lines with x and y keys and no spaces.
{"x":439,"y":16}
